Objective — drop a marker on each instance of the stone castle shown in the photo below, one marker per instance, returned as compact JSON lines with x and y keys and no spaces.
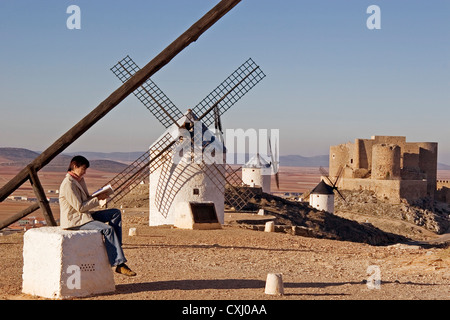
{"x":387,"y":165}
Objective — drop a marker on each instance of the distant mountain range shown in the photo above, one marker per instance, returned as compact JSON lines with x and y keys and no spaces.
{"x":22,"y":157}
{"x":118,"y":161}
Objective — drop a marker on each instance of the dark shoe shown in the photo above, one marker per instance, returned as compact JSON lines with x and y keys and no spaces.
{"x":123,"y":269}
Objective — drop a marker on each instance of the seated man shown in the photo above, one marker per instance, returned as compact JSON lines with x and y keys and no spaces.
{"x":75,"y":205}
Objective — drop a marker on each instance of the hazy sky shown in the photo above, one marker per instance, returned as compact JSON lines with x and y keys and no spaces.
{"x":329,"y":80}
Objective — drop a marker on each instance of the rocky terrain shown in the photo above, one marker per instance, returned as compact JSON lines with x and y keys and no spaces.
{"x":350,"y":223}
{"x":427,"y":213}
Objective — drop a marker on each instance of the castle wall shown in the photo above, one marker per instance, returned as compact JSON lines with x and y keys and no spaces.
{"x":443,"y":191}
{"x":428,"y":152}
{"x":410,"y":156}
{"x":442,"y":183}
{"x":413,"y":189}
{"x":388,"y":190}
{"x":363,"y":154}
{"x":398,"y":140}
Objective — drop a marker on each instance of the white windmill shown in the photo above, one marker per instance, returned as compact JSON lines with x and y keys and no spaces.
{"x":184,"y":190}
{"x":257,"y":172}
{"x":322,"y":196}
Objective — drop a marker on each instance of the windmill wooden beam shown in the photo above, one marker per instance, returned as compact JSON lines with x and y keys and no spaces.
{"x":189,"y":36}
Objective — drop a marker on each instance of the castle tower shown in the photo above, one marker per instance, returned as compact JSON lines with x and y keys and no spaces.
{"x":386,"y":161}
{"x":322,"y":197}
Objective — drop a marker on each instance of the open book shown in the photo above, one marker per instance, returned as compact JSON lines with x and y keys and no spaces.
{"x":106,"y":189}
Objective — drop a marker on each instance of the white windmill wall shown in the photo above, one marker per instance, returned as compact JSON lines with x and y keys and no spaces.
{"x":322,"y":202}
{"x":254,"y":178}
{"x":193,"y":178}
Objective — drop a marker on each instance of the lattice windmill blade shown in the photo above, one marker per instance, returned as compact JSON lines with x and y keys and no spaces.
{"x":217,"y":120}
{"x":220,"y":100}
{"x":274,"y":163}
{"x":237,"y":193}
{"x":340,"y":194}
{"x":339,"y":173}
{"x":325,"y":174}
{"x":149,"y":94}
{"x":140,"y":169}
{"x":229,"y":91}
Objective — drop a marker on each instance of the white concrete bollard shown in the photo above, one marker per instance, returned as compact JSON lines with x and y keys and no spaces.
{"x":261,"y":212}
{"x":132,"y":232}
{"x":274,"y":284}
{"x":63,"y":264}
{"x":270,"y":226}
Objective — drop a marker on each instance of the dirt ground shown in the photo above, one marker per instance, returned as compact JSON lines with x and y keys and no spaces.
{"x":233,"y":263}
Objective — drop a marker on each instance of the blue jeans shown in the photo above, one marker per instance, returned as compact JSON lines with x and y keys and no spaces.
{"x":112,"y":233}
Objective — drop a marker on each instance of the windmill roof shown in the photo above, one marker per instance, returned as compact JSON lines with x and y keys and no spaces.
{"x":322,"y":188}
{"x":257,"y":162}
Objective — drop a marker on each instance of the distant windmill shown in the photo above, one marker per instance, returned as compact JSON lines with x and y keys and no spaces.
{"x":331,"y":183}
{"x":257,"y":172}
{"x":175,"y":184}
{"x":322,"y":196}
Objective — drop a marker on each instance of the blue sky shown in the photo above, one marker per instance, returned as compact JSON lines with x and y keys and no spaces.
{"x":329,"y":78}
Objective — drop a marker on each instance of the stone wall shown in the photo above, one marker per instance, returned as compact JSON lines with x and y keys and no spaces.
{"x":443,"y":191}
{"x":391,"y":191}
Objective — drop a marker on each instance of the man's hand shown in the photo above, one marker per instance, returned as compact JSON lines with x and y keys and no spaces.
{"x":102,"y":196}
{"x":102,"y":203}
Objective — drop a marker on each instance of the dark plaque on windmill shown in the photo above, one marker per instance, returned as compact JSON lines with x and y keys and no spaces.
{"x":203,"y":212}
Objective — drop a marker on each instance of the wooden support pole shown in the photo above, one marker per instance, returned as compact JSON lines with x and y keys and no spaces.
{"x":19,"y":215}
{"x":40,"y":194}
{"x":191,"y":35}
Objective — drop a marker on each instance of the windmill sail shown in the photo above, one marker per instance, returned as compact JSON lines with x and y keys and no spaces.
{"x":149,"y":94}
{"x":229,"y":91}
{"x":274,"y":163}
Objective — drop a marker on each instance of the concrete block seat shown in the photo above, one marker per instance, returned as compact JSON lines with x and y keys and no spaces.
{"x":64,"y":264}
